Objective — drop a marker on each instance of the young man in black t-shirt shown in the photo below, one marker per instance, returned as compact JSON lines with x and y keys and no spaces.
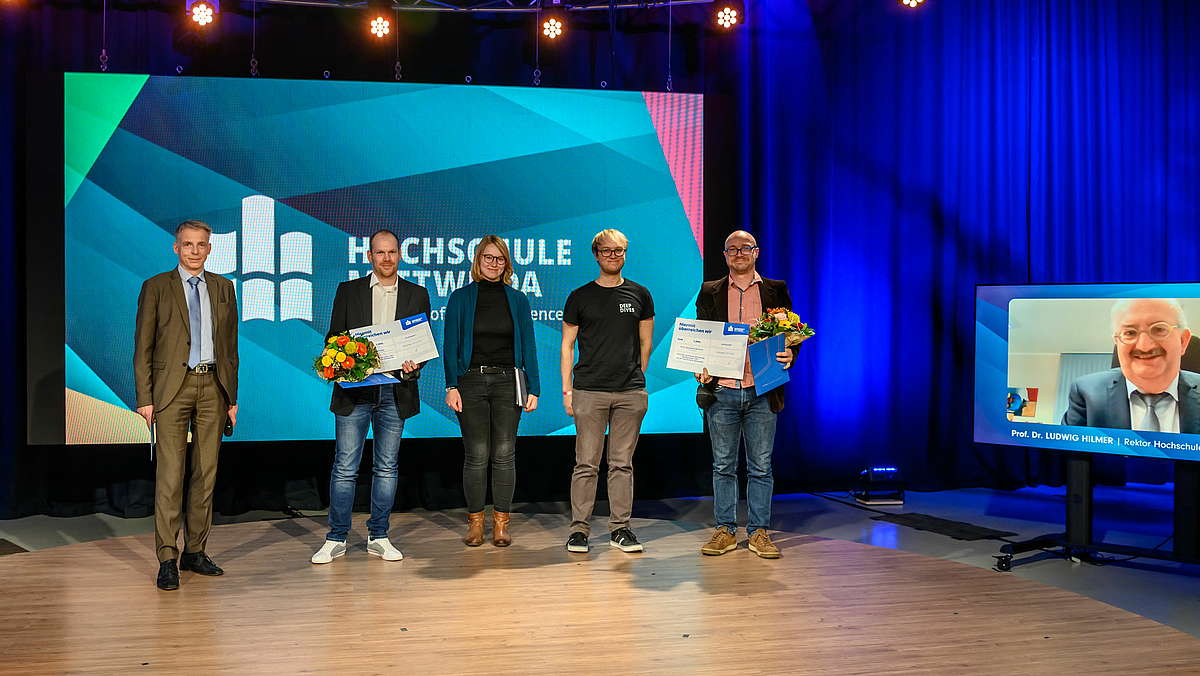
{"x":613,"y":319}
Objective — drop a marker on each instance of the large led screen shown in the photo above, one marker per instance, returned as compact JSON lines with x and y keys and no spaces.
{"x":1106,"y":368}
{"x":294,"y":175}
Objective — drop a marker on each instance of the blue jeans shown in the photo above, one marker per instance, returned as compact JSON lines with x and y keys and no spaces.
{"x":351,"y":431}
{"x":738,"y":414}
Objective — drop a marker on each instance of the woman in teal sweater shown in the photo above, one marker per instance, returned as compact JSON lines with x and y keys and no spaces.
{"x":488,"y":345}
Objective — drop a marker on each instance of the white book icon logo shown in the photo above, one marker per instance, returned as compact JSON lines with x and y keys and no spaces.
{"x":258,"y":270}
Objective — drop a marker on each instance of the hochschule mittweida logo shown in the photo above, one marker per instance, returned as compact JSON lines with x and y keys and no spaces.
{"x":265,"y":260}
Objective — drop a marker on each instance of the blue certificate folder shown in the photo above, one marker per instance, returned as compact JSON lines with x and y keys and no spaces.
{"x":768,"y":372}
{"x":373,"y":379}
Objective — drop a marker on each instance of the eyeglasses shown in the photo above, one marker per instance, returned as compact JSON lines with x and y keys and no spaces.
{"x":493,"y":260}
{"x":745,"y":250}
{"x":1156,"y":331}
{"x":611,"y":253}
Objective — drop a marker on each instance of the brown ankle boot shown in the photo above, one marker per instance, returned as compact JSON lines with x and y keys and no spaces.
{"x":500,"y":536}
{"x":474,"y":536}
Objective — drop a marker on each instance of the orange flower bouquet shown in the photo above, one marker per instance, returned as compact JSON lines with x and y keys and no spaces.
{"x":346,"y":359}
{"x":781,"y":320}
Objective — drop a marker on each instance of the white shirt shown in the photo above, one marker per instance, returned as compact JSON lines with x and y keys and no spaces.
{"x":1167,"y":410}
{"x":206,"y":328}
{"x":383,"y":301}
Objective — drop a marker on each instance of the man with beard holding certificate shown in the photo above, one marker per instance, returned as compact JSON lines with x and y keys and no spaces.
{"x":377,"y":298}
{"x":739,"y":411}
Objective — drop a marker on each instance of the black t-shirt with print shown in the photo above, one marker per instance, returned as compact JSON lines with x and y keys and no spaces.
{"x":609,"y":345}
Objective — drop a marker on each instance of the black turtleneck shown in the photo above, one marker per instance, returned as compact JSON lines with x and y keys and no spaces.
{"x":492,"y":342}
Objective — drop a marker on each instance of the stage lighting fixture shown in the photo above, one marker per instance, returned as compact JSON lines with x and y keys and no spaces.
{"x":380,"y":26}
{"x":911,"y":3}
{"x":730,"y":14}
{"x":380,"y":14}
{"x":881,"y":485}
{"x":552,"y":27}
{"x":202,"y":11}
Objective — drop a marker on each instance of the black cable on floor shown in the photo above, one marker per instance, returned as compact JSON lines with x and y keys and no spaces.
{"x":856,"y":505}
{"x":1099,"y":560}
{"x":1093,"y":558}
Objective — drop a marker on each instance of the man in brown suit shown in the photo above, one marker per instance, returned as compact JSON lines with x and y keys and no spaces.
{"x":185,"y":366}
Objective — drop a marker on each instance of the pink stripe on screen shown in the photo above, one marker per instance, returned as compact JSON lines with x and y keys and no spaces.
{"x":679,"y":121}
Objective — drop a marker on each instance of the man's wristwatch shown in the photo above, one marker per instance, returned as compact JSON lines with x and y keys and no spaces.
{"x":448,"y":389}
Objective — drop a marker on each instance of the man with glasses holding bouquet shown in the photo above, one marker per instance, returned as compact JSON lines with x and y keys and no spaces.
{"x":739,"y":411}
{"x":605,"y":391}
{"x":1148,"y":392}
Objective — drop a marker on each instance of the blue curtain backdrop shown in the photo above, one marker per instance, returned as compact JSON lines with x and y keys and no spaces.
{"x":888,"y":159}
{"x":891,"y":159}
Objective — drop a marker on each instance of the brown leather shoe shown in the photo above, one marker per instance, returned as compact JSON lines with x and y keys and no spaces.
{"x":474,"y":536}
{"x":722,"y":541}
{"x":500,"y":536}
{"x":760,"y":543}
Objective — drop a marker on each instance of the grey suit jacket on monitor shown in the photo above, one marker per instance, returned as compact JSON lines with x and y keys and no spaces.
{"x":1102,"y":400}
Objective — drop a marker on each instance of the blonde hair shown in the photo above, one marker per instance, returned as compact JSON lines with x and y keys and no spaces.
{"x":477,"y":262}
{"x":612,"y":234}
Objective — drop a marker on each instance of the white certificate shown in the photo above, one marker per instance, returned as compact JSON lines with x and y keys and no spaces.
{"x":719,"y":347}
{"x":400,"y":341}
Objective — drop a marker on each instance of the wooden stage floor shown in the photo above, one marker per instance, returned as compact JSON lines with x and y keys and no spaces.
{"x":826,"y":607}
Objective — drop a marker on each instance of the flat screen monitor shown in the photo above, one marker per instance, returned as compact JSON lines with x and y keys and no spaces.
{"x":1105,"y":368}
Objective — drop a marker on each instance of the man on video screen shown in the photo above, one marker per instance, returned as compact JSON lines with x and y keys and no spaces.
{"x":1148,"y":392}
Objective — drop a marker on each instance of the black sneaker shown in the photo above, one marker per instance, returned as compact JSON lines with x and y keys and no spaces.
{"x":623,"y":539}
{"x":577,"y":543}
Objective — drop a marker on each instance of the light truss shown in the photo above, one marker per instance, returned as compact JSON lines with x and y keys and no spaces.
{"x":492,"y":6}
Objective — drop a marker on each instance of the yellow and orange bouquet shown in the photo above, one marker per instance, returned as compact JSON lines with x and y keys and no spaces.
{"x":346,"y":359}
{"x":781,"y":320}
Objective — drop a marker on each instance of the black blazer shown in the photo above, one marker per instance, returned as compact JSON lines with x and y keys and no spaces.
{"x":712,"y":304}
{"x":352,"y":310}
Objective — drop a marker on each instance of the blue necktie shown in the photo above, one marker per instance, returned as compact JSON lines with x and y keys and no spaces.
{"x":194,"y":320}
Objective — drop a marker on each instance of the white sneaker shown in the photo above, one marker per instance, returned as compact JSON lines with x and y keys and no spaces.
{"x":329,"y":551}
{"x":383,"y":548}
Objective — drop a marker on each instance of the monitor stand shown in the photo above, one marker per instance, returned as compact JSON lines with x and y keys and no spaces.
{"x":1076,"y":543}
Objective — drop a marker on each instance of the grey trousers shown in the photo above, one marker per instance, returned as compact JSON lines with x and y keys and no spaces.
{"x":620,"y":414}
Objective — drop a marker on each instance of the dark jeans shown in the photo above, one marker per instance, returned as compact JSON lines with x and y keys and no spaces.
{"x":742,"y":414}
{"x":351,"y":432}
{"x":489,"y":421}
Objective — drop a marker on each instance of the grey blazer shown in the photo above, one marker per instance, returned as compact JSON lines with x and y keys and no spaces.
{"x":1102,"y":400}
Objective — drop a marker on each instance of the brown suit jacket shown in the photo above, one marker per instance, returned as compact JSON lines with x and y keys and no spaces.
{"x":162,"y":336}
{"x":713,"y":304}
